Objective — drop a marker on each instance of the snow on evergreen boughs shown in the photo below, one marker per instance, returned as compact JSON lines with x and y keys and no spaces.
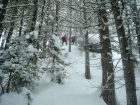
{"x":32,"y":35}
{"x":56,"y":41}
{"x":18,"y":64}
{"x":30,"y":48}
{"x":56,"y":63}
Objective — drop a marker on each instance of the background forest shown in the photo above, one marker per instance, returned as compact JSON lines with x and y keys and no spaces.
{"x":31,"y":31}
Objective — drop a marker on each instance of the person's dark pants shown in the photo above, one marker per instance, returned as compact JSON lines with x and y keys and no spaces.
{"x":64,"y":41}
{"x":73,"y":41}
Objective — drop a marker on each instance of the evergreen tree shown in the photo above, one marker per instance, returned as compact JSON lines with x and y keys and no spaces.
{"x":57,"y":63}
{"x":19,"y":68}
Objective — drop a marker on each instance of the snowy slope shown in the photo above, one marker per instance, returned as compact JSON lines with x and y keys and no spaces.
{"x":76,"y":90}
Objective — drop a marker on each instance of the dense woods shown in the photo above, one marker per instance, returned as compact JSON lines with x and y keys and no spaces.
{"x":31,"y":29}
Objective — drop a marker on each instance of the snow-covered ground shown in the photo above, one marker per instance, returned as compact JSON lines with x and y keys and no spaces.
{"x":76,"y":90}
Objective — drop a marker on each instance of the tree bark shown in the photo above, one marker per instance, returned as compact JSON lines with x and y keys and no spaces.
{"x":56,"y":17}
{"x":21,"y":21}
{"x":70,"y":27}
{"x":2,"y":12}
{"x":40,"y":26}
{"x":87,"y":64}
{"x":34,"y":18}
{"x":129,"y":74}
{"x":46,"y":32}
{"x":108,"y":84}
{"x":12,"y":24}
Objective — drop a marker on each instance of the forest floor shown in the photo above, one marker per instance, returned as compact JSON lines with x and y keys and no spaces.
{"x":75,"y":90}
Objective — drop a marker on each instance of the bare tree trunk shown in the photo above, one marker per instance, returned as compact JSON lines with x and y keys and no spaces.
{"x":70,"y":40}
{"x":21,"y":21}
{"x":34,"y":17}
{"x":40,"y":26}
{"x":108,"y":84}
{"x":12,"y":24}
{"x":2,"y":12}
{"x":32,"y":25}
{"x":9,"y":35}
{"x":56,"y":18}
{"x":129,"y":74}
{"x":3,"y":42}
{"x":87,"y":64}
{"x":76,"y":36}
{"x":138,"y":30}
{"x":9,"y":82}
{"x":46,"y":32}
{"x":70,"y":28}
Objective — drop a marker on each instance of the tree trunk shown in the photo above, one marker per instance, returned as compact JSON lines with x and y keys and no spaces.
{"x":129,"y":74}
{"x":9,"y":35}
{"x":12,"y":24}
{"x":56,"y":18}
{"x":9,"y":83}
{"x":70,"y":27}
{"x":135,"y":15}
{"x":21,"y":21}
{"x":40,"y":26}
{"x":33,"y":24}
{"x":2,"y":12}
{"x":34,"y":17}
{"x":87,"y":64}
{"x":3,"y":42}
{"x":108,"y":84}
{"x":46,"y":32}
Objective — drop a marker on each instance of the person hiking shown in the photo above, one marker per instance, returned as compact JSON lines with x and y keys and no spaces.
{"x":73,"y":39}
{"x":64,"y":39}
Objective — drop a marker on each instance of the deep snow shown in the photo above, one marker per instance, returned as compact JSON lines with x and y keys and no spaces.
{"x":76,"y":90}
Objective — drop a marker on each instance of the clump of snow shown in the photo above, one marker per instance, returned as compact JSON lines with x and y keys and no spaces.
{"x":32,"y":35}
{"x":94,"y":38}
{"x":13,"y":99}
{"x":51,"y":17}
{"x":104,"y":37}
{"x":1,"y":74}
{"x":1,"y":5}
{"x":24,"y":98}
{"x":30,"y":48}
{"x":57,"y":42}
{"x":27,"y":36}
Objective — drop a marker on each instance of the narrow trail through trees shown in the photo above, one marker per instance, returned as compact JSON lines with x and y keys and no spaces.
{"x":76,"y":90}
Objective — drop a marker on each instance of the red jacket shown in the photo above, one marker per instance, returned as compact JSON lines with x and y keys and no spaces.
{"x":65,"y":37}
